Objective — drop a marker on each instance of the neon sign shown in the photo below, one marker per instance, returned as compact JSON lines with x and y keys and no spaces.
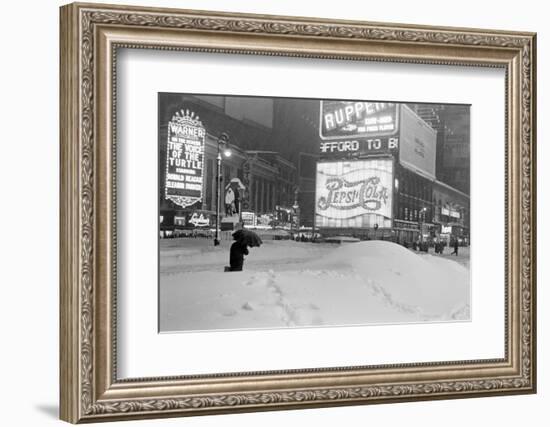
{"x":354,"y":194}
{"x":368,"y":194}
{"x":184,"y":159}
{"x":199,"y":219}
{"x":348,"y":119}
{"x":340,"y":148}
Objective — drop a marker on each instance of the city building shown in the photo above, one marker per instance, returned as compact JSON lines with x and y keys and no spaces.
{"x":372,"y":170}
{"x":452,"y":124}
{"x":451,"y":213}
{"x":266,"y":180}
{"x":387,"y":150}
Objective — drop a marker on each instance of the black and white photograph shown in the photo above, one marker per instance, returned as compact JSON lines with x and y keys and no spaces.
{"x":272,"y":214}
{"x":289,"y":212}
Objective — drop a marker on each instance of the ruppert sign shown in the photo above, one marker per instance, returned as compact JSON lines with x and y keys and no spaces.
{"x":184,"y":159}
{"x":352,"y":119}
{"x":352,"y":128}
{"x":354,"y":194}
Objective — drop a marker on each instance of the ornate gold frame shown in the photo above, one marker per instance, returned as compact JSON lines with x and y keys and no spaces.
{"x":90,"y":35}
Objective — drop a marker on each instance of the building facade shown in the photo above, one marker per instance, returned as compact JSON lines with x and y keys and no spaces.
{"x":418,"y":206}
{"x":267,"y":181}
{"x":373,"y":170}
{"x":452,"y":124}
{"x":451,"y":214}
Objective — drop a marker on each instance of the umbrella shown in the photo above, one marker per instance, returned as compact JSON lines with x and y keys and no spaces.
{"x":249,"y":237}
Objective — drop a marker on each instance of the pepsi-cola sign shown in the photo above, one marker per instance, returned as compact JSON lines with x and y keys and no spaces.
{"x":355,"y":193}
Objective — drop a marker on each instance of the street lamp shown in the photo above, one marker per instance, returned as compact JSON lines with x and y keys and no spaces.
{"x":296,"y":213}
{"x":422,"y":219}
{"x":223,"y":142}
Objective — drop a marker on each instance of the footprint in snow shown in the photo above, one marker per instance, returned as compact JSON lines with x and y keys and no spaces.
{"x":247,"y":306}
{"x":251,"y":280}
{"x":229,"y":313}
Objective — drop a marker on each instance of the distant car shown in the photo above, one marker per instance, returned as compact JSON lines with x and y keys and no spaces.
{"x":341,"y":239}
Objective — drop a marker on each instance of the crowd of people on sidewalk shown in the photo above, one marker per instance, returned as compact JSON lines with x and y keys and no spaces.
{"x":439,"y":246}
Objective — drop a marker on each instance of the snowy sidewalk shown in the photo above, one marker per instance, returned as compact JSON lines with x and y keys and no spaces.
{"x":462,"y":258}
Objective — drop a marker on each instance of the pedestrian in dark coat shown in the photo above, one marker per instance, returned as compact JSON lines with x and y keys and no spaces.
{"x":236,"y":255}
{"x":455,"y":252}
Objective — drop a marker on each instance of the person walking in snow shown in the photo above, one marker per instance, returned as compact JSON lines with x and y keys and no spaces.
{"x":236,"y":255}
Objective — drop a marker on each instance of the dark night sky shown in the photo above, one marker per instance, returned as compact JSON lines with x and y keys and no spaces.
{"x":291,"y":125}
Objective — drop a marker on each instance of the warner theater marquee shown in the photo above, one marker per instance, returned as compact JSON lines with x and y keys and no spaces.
{"x":184,"y":159}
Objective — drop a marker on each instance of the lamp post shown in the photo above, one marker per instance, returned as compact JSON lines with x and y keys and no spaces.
{"x":422,"y":219}
{"x":296,"y":212}
{"x":223,"y":140}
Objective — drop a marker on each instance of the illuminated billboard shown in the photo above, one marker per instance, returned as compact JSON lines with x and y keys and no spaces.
{"x":355,"y":119}
{"x":357,"y":147}
{"x":354,"y":194}
{"x":417,"y":143}
{"x":249,"y":219}
{"x":184,"y":159}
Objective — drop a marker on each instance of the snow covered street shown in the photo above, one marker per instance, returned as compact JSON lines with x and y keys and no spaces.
{"x":293,"y":284}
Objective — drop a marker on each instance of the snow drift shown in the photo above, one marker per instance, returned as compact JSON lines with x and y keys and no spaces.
{"x":431,"y":285}
{"x":291,"y":284}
